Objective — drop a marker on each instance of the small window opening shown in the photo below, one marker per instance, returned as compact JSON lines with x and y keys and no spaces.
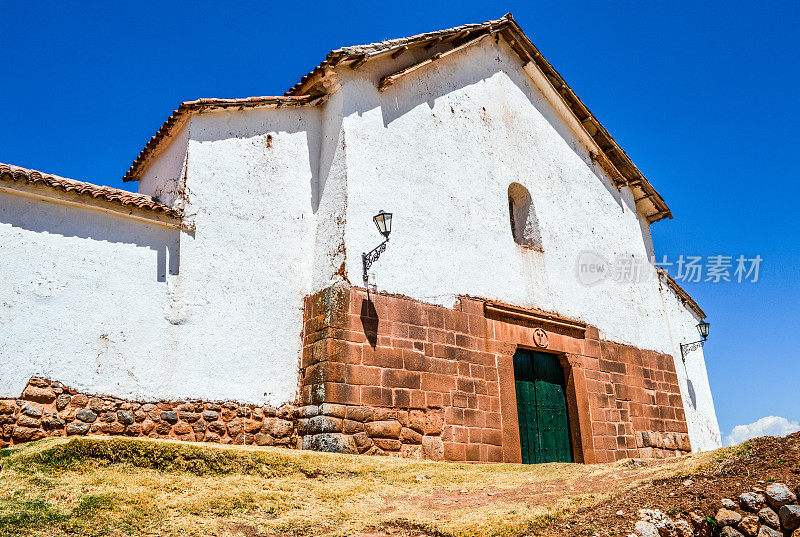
{"x":522,"y":216}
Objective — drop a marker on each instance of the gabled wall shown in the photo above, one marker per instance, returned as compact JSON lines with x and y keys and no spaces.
{"x":163,"y":177}
{"x":439,"y":149}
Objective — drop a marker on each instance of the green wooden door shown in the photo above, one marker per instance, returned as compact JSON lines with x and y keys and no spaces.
{"x":541,"y":407}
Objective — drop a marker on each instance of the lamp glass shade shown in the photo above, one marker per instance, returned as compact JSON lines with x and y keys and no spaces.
{"x":703,"y":327}
{"x":383,"y":221}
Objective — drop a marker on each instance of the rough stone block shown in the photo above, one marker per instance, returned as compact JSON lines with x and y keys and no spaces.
{"x":383,"y":429}
{"x":168,"y":416}
{"x":7,"y":406}
{"x":262,"y":439}
{"x":726,"y":517}
{"x":410,"y":436}
{"x":751,"y":501}
{"x":27,"y":421}
{"x":434,"y":421}
{"x":32,"y":410}
{"x":411,"y":452}
{"x":308,"y":411}
{"x":77,"y":428}
{"x":86,"y":415}
{"x":790,"y":517}
{"x":133,"y":430}
{"x":769,"y":517}
{"x":359,"y":413}
{"x":282,"y":428}
{"x":38,"y":394}
{"x":182,"y":428}
{"x":778,"y":495}
{"x":352,"y":426}
{"x":388,"y":444}
{"x":363,"y":441}
{"x":191,"y":417}
{"x":330,"y":442}
{"x":324,"y":424}
{"x":217,"y":427}
{"x":148,"y":426}
{"x":730,"y":531}
{"x":332,"y":409}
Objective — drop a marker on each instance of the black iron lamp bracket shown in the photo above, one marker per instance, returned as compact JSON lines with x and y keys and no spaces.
{"x":370,"y":257}
{"x":686,"y":348}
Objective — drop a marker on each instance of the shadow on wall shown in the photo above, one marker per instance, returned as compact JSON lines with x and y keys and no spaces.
{"x":49,"y":219}
{"x":369,"y":321}
{"x":692,"y":394}
{"x":414,"y":90}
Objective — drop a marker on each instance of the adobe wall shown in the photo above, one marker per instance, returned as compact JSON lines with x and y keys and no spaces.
{"x":435,"y":382}
{"x":142,"y":311}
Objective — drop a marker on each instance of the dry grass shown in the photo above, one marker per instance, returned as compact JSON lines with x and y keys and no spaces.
{"x":102,"y":486}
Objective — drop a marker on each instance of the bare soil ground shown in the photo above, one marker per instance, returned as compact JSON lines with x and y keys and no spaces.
{"x":755,"y":463}
{"x":103,"y":486}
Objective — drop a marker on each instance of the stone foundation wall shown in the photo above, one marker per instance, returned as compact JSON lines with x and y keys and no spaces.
{"x":418,"y":369}
{"x":354,"y":429}
{"x":48,"y":408}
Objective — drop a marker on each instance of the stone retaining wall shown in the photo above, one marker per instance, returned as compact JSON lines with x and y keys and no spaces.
{"x":48,"y":408}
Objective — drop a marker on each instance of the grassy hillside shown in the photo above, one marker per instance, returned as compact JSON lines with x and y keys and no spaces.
{"x":121,"y":486}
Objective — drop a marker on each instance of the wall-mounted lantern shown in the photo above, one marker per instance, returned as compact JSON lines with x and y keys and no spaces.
{"x":686,"y":348}
{"x":383,"y":221}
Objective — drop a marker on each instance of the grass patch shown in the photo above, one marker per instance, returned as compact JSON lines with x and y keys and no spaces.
{"x":125,"y":486}
{"x":18,"y":514}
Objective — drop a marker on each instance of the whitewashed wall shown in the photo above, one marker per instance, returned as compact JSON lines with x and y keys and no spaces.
{"x":163,"y":177}
{"x":237,"y":314}
{"x":82,"y":298}
{"x":116,"y":306}
{"x":440,"y":148}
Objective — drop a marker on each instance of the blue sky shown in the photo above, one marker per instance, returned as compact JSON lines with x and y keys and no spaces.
{"x":700,"y":95}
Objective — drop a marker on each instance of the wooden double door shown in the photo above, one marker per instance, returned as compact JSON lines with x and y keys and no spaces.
{"x":541,"y":408}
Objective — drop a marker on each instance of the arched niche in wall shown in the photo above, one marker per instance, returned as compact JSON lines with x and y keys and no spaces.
{"x":522,"y":216}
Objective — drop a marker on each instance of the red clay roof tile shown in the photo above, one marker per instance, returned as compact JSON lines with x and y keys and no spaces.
{"x":13,"y":173}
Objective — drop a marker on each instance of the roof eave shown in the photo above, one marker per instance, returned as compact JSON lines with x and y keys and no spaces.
{"x":24,"y":181}
{"x":611,"y":157}
{"x":179,"y":117}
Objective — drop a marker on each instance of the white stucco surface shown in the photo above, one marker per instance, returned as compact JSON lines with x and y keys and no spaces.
{"x":698,"y":403}
{"x":112,"y":305}
{"x":163,"y":178}
{"x":82,"y":298}
{"x":282,"y":201}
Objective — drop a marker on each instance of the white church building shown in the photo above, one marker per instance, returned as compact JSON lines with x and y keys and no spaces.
{"x":226,"y":300}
